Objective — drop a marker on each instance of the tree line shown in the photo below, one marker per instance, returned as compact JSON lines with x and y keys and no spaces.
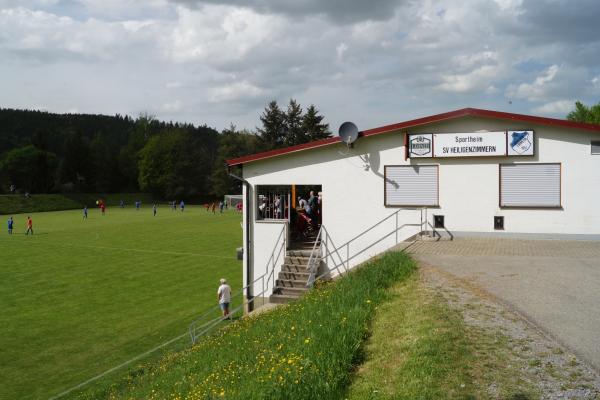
{"x":41,"y":152}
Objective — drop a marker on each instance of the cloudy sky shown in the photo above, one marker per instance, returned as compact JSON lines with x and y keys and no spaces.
{"x":373,"y":62}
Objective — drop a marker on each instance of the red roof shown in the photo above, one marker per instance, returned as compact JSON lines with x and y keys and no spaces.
{"x":471,"y":112}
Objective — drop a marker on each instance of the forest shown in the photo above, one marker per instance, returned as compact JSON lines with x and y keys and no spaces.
{"x":42,"y":152}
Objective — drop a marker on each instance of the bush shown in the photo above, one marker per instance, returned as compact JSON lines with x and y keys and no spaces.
{"x":305,"y":350}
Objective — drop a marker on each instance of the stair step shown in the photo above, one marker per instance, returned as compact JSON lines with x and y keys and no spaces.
{"x":281,"y":299}
{"x":307,"y":243}
{"x":294,"y":268}
{"x":290,"y":291}
{"x":295,"y":276}
{"x":301,"y":253}
{"x":291,"y":283}
{"x":296,"y":260}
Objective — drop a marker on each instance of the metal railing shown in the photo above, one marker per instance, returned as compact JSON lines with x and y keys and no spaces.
{"x":207,"y":321}
{"x":324,"y":241}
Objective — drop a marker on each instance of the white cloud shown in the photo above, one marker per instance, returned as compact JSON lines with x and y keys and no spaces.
{"x":218,"y":34}
{"x":172,"y":107}
{"x":537,"y":89}
{"x":596,"y":82}
{"x":555,"y":108}
{"x":476,"y":80}
{"x":237,"y":91}
{"x":46,"y":36}
{"x":173,"y":85}
{"x":340,"y":50}
{"x":509,"y":5}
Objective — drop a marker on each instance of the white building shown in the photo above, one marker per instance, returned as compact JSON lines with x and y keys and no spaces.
{"x":466,"y":172}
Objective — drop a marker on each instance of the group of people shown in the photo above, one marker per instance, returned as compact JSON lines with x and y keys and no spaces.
{"x":29,"y":224}
{"x":174,"y":205}
{"x":272,"y":207}
{"x":308,"y":213}
{"x":213,"y":206}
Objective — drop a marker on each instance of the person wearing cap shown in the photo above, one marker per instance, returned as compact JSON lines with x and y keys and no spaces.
{"x":224,"y":297}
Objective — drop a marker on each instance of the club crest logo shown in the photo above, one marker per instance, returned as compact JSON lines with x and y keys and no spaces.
{"x":420,"y":146}
{"x":520,"y":142}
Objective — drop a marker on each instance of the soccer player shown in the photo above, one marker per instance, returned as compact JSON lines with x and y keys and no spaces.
{"x":11,"y":224}
{"x":29,"y":226}
{"x":221,"y":205}
{"x":182,"y":205}
{"x":102,"y":207}
{"x":85,"y":212}
{"x":154,"y":210}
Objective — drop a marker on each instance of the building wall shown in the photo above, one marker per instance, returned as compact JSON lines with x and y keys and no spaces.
{"x":353,"y":195}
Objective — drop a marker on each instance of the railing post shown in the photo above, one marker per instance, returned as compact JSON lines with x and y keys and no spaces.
{"x":396,"y":230}
{"x":347,"y":256}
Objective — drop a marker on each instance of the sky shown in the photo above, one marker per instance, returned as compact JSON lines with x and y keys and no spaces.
{"x":219,"y":62}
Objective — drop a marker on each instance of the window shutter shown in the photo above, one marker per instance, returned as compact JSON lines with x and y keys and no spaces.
{"x":411,"y":185}
{"x":530,"y":185}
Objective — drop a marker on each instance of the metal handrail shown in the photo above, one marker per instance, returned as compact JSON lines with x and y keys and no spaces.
{"x":346,"y":263}
{"x":311,"y":261}
{"x":200,"y":326}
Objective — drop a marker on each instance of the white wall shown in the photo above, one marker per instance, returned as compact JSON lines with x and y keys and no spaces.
{"x":352,"y":185}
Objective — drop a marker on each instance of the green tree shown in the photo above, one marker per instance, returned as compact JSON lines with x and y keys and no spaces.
{"x":174,"y":164}
{"x":29,"y":168}
{"x":77,"y":165}
{"x":232,"y":144}
{"x":313,"y":126}
{"x":272,"y":132}
{"x":294,"y":133}
{"x":583,"y":113}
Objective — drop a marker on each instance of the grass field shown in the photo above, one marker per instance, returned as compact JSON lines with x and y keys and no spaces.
{"x":14,"y":204}
{"x":80,"y":297}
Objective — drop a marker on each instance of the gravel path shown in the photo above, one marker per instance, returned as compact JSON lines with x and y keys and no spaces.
{"x":540,"y":360}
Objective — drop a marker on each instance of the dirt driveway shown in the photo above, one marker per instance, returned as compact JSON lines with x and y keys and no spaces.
{"x":553,"y":283}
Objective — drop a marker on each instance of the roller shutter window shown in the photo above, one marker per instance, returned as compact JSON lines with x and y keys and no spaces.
{"x":530,"y":185}
{"x":411,"y":185}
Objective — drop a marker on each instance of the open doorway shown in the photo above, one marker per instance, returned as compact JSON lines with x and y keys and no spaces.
{"x":300,"y":205}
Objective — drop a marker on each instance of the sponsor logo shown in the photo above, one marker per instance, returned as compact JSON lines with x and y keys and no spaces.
{"x":420,"y":146}
{"x":520,"y":142}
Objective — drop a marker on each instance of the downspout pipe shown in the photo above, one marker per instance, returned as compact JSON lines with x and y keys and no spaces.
{"x":249,"y":294}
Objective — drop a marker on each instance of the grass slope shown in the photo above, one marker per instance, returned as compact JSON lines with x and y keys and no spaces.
{"x":421,"y":348}
{"x":80,"y":297}
{"x":15,"y":204}
{"x":305,"y":350}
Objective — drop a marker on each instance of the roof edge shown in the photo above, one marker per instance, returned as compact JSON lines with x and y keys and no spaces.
{"x":474,"y":112}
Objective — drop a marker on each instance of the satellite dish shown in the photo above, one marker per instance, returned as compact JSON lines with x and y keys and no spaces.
{"x":348,"y":132}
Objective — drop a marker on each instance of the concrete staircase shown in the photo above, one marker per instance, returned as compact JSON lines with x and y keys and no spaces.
{"x":293,"y":278}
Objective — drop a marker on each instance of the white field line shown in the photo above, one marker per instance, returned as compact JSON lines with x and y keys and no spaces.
{"x":82,"y":384}
{"x":175,"y":253}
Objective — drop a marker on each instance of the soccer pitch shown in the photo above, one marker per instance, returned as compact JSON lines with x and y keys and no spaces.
{"x":81,"y":296}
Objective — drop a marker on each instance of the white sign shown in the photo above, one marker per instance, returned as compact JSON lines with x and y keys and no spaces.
{"x":482,"y":144}
{"x":420,"y":145}
{"x":469,"y":144}
{"x":520,"y":143}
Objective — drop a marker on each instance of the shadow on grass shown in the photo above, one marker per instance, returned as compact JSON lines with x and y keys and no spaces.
{"x":519,"y":396}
